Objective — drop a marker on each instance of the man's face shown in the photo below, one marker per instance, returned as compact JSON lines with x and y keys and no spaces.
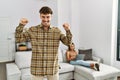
{"x":45,"y":19}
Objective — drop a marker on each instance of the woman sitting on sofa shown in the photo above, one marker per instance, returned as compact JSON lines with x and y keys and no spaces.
{"x":71,"y":55}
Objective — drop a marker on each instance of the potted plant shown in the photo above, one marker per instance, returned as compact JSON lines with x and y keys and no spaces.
{"x":22,"y":46}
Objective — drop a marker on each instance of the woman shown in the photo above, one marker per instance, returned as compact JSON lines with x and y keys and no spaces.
{"x":71,"y":55}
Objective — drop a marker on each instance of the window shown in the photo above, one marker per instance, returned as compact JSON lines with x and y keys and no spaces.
{"x":118,"y":32}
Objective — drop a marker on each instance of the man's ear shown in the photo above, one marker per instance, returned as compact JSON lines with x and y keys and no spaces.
{"x":40,"y":16}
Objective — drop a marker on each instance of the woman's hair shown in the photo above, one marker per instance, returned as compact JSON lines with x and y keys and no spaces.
{"x":45,"y":10}
{"x":69,"y":46}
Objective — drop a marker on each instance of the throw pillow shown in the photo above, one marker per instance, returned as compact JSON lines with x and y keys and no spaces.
{"x":80,"y":57}
{"x":87,"y":53}
{"x":23,"y":59}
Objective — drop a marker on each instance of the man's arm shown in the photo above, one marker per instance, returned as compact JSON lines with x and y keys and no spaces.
{"x":68,"y":56}
{"x":21,"y":36}
{"x":66,"y":39}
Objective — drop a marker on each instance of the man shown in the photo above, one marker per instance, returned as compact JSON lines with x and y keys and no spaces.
{"x":45,"y":42}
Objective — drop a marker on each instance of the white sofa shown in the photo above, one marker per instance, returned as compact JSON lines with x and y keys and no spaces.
{"x":20,"y":69}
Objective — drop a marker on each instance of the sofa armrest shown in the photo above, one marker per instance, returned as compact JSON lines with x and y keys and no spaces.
{"x":98,"y":59}
{"x":12,"y":71}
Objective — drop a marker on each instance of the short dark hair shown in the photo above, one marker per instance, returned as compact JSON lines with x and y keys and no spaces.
{"x":45,"y":10}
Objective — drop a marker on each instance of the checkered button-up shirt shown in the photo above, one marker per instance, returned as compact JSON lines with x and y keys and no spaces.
{"x":44,"y":47}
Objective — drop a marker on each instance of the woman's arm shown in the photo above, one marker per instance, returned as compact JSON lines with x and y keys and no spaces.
{"x":68,"y":56}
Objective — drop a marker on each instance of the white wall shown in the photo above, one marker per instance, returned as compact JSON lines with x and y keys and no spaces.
{"x":16,"y":9}
{"x":64,"y":12}
{"x":93,"y":18}
{"x":75,"y":21}
{"x":64,"y":15}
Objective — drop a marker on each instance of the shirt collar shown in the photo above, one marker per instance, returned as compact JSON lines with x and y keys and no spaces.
{"x":41,"y":26}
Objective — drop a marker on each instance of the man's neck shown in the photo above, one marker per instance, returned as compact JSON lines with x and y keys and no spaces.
{"x":45,"y":27}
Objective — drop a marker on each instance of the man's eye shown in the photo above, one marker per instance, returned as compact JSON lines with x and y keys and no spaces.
{"x":48,"y":17}
{"x":43,"y":17}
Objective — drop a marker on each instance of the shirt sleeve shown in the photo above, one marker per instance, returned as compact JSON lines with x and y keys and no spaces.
{"x":21,"y":36}
{"x":66,"y":39}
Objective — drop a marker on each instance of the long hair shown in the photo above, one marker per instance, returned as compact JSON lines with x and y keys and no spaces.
{"x":69,"y":46}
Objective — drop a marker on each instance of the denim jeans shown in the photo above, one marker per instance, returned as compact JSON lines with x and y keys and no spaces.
{"x":80,"y":62}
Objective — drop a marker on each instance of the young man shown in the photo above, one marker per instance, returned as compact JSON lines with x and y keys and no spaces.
{"x":45,"y":40}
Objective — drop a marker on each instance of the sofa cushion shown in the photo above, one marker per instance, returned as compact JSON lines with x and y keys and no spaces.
{"x":64,"y":55}
{"x":25,"y":74}
{"x":80,"y":57}
{"x":12,"y":72}
{"x":60,"y":57}
{"x":87,"y":53}
{"x":66,"y":76}
{"x":23,"y":59}
{"x":104,"y":73}
{"x":66,"y":67}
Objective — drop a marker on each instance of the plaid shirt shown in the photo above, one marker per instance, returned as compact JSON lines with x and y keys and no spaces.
{"x":44,"y":47}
